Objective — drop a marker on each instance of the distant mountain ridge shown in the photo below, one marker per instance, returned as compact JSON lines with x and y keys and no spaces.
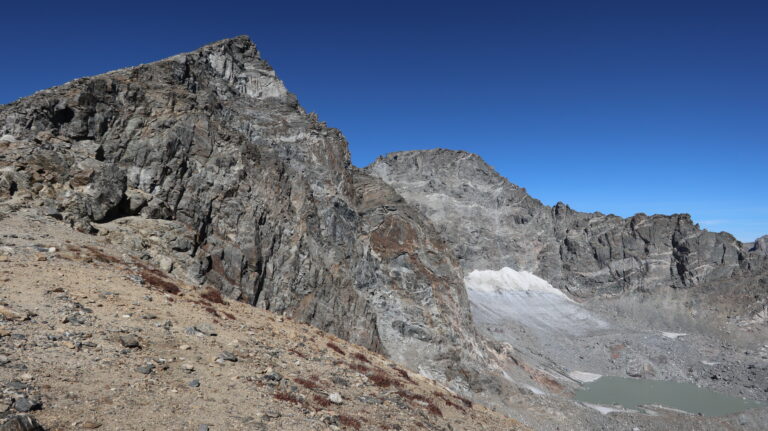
{"x":491,"y":223}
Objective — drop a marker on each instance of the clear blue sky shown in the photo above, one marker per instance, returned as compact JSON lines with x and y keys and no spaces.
{"x":616,"y":106}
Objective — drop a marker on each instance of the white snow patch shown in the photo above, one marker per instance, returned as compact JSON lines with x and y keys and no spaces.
{"x":673,"y":335}
{"x":509,"y":280}
{"x":710,"y":363}
{"x":661,"y":407}
{"x":583,"y":376}
{"x":605,"y":409}
{"x":508,"y":297}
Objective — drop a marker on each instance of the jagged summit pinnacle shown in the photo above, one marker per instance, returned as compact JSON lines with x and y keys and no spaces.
{"x":240,"y":39}
{"x":239,"y":43}
{"x":235,"y":61}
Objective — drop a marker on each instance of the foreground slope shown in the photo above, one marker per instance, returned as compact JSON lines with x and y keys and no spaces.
{"x":94,"y":337}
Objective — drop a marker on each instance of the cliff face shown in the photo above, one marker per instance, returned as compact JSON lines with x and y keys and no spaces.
{"x":207,"y":164}
{"x":491,"y":223}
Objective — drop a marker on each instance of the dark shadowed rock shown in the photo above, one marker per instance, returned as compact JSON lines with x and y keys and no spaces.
{"x":130,"y":341}
{"x":21,"y":423}
{"x":228,"y":356}
{"x":25,"y":405}
{"x":145,"y":369}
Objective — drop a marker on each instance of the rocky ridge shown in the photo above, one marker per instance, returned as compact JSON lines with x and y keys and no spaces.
{"x":490,"y":223}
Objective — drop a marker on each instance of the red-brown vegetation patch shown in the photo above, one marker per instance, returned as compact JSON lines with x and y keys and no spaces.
{"x":99,"y":255}
{"x":434,"y":410}
{"x":430,"y":406}
{"x":411,"y":396}
{"x":213,"y":295}
{"x":212,"y":311}
{"x":207,"y":306}
{"x":382,"y":380}
{"x":336,"y":347}
{"x":307,"y":383}
{"x":349,"y":421}
{"x":160,"y":283}
{"x":297,"y":353}
{"x":321,"y":400}
{"x":360,"y":368}
{"x":466,"y":402}
{"x":448,"y":401}
{"x":360,"y":357}
{"x":286,"y":396}
{"x":404,"y":374}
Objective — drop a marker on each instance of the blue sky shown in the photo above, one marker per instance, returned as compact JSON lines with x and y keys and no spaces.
{"x":611,"y":106}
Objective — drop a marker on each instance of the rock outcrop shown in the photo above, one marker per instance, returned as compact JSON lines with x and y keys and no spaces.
{"x":491,"y":223}
{"x":209,"y":165}
{"x":760,"y":246}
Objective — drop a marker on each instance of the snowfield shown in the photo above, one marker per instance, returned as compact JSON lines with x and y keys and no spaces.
{"x":506,"y":296}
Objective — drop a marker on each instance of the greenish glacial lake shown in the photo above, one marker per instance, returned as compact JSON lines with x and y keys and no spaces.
{"x":632,"y":393}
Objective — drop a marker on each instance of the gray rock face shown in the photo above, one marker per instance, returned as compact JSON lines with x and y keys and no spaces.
{"x":208,"y":164}
{"x":490,"y":223}
{"x":760,"y":246}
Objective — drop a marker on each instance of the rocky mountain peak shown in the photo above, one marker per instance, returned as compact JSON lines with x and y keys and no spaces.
{"x":237,"y":62}
{"x":427,"y":163}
